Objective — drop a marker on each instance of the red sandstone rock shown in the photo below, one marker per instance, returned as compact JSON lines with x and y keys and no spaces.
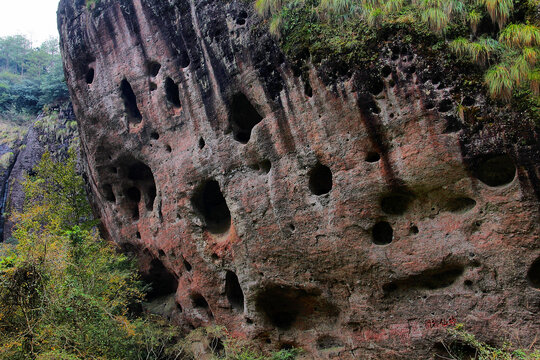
{"x":351,"y":224}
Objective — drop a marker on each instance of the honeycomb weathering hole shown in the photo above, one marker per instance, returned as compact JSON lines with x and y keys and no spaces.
{"x":142,"y":175}
{"x":372,"y":156}
{"x":89,"y":76}
{"x":161,"y":280}
{"x":108,"y":193}
{"x":130,"y":102}
{"x":496,"y":170}
{"x":382,"y":233}
{"x":285,"y":307}
{"x":460,"y":204}
{"x":234,"y":292}
{"x":153,"y":68}
{"x":395,"y":204}
{"x":431,"y":279}
{"x":210,"y":203}
{"x":172,"y":92}
{"x":243,"y":118}
{"x":533,"y":275}
{"x":320,"y":179}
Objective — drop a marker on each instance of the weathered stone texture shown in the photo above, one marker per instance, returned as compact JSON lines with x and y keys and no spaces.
{"x":350,"y":223}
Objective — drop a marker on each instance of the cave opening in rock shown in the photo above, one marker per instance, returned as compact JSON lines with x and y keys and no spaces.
{"x":108,"y":193}
{"x":89,"y":76}
{"x":162,"y":282}
{"x":243,"y":118}
{"x":130,"y":102}
{"x":172,"y":92}
{"x":396,"y":203}
{"x":153,"y":68}
{"x":280,"y":305}
{"x":187,"y":265}
{"x":234,"y":292}
{"x":141,"y":174}
{"x":320,"y":179}
{"x":460,"y":204}
{"x":533,"y":275}
{"x":209,"y":202}
{"x":382,"y":233}
{"x":285,"y":307}
{"x":496,"y":170}
{"x":445,"y":105}
{"x":199,"y":301}
{"x":372,"y":157}
{"x":134,"y":197}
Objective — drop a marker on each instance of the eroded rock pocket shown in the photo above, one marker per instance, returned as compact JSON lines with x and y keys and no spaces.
{"x":234,"y":292}
{"x":496,"y":170}
{"x":210,"y":204}
{"x":161,"y":281}
{"x":533,"y":275}
{"x":130,"y":102}
{"x":243,"y":118}
{"x":431,"y":279}
{"x":320,"y":179}
{"x":287,"y":307}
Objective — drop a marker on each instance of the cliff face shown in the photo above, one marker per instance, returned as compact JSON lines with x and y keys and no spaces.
{"x":356,"y":219}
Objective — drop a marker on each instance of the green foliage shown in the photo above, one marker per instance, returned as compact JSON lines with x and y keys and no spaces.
{"x":65,"y":293}
{"x":508,"y":56}
{"x":217,"y":342}
{"x":466,"y":346}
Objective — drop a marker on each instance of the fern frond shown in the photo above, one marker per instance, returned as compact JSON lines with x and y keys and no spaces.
{"x":499,"y":10}
{"x":520,"y":35}
{"x":499,"y":82}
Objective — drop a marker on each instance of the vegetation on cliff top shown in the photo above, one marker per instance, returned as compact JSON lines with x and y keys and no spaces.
{"x":501,"y":37}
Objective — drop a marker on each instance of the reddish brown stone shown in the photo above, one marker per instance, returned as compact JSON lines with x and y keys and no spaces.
{"x":302,"y":242}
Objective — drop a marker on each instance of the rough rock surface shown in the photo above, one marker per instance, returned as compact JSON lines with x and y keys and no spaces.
{"x":36,"y":141}
{"x":356,"y":220}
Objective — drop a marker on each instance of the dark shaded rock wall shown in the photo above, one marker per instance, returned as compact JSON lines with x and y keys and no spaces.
{"x":355,"y":220}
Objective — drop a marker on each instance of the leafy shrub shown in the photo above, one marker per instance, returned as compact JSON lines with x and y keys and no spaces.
{"x":465,"y":346}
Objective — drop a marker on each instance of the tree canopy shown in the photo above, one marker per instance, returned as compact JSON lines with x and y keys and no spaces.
{"x":30,"y":77}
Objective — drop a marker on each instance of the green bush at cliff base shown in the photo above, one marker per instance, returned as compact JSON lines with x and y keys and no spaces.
{"x":64,"y":292}
{"x":501,"y":37}
{"x":464,"y":345}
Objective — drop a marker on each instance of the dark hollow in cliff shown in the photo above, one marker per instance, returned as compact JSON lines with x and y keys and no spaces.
{"x":153,"y":68}
{"x":496,"y":170}
{"x":382,"y":233}
{"x":141,"y":174}
{"x":130,"y":102}
{"x":89,"y":76}
{"x":372,"y":157}
{"x":396,"y":204}
{"x":320,"y":179}
{"x":281,"y":305}
{"x":133,"y":197}
{"x":460,"y":204}
{"x":172,"y":93}
{"x":243,"y":118}
{"x":209,"y":202}
{"x":234,"y":291}
{"x":533,"y":275}
{"x":431,"y":279}
{"x":161,"y":281}
{"x":286,"y":307}
{"x":108,"y":193}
